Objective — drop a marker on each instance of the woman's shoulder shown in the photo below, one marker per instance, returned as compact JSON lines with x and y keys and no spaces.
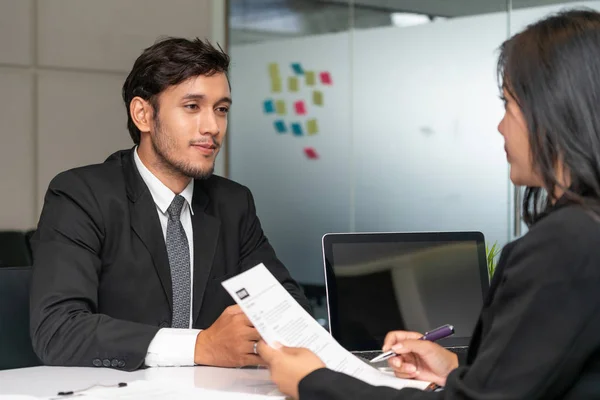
{"x":581,"y":221}
{"x":568,"y":235}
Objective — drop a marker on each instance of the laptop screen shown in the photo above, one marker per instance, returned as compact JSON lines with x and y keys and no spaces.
{"x":381,"y":282}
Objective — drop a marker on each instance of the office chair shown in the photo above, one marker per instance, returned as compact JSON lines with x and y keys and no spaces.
{"x":14,"y":249}
{"x":28,"y":235}
{"x":16,"y":350}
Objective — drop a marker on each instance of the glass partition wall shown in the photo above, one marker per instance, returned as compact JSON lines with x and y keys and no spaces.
{"x":372,"y":116}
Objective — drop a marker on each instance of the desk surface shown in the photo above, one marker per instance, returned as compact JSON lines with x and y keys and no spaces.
{"x":48,"y":381}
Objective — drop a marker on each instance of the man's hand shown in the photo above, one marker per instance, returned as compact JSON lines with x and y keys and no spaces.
{"x":229,"y":342}
{"x":289,"y":365}
{"x":419,"y":359}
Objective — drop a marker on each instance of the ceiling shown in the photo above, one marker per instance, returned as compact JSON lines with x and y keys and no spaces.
{"x":446,"y":8}
{"x":262,"y":20}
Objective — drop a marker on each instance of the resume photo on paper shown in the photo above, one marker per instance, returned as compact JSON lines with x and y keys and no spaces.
{"x":279,"y":318}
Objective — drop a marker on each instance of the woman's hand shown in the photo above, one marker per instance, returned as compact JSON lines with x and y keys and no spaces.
{"x":419,"y":359}
{"x":289,"y":365}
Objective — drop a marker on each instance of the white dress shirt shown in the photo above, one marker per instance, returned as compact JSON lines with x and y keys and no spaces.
{"x":171,"y":346}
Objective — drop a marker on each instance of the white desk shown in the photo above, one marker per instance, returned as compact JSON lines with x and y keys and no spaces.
{"x":48,"y":381}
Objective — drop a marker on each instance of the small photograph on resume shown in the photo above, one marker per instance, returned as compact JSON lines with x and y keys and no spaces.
{"x":242,"y":294}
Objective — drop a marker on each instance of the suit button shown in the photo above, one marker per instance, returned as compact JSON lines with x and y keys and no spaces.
{"x":164,"y":324}
{"x":121,"y":364}
{"x":106,"y":362}
{"x":97,"y":362}
{"x":114,"y":363}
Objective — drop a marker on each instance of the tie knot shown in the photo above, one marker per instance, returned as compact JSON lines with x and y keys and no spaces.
{"x":174,"y":209}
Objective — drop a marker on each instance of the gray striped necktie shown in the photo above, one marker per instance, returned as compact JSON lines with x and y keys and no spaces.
{"x":179,"y":261}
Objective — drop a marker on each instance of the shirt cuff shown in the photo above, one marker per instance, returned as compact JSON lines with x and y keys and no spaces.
{"x":172,"y":347}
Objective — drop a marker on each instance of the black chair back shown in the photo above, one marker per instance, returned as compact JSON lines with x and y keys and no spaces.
{"x":14,"y":249}
{"x":15,"y":343}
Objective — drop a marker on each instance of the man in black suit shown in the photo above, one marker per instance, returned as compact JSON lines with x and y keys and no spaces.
{"x":129,"y":255}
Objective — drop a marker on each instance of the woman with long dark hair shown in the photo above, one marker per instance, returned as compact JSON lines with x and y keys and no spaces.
{"x":538,"y":335}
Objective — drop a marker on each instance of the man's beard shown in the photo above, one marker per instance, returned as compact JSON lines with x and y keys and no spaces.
{"x":163,"y":146}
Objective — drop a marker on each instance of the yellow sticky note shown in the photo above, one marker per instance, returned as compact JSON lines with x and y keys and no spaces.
{"x":280,"y":107}
{"x":276,"y":85}
{"x":310,"y":77}
{"x":274,"y":71}
{"x":312,"y":127}
{"x":293,"y":84}
{"x":318,"y":97}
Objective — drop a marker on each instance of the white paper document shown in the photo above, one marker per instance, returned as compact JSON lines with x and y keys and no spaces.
{"x":279,"y":318}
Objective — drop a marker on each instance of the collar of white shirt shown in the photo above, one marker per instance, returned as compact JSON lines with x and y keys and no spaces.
{"x":162,"y":195}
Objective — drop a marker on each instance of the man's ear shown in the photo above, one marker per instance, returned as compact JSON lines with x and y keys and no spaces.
{"x":142,"y":113}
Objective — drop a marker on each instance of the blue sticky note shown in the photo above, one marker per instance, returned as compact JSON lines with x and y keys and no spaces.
{"x":269,"y":106}
{"x":297,"y":129}
{"x":280,"y":126}
{"x":297,"y":68}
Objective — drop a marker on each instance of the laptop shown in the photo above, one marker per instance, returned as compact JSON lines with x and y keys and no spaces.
{"x":380,"y":282}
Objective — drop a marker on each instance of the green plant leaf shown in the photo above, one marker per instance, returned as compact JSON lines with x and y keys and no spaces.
{"x":491,"y":255}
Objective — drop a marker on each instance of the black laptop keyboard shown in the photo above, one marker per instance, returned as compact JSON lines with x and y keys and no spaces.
{"x":460,"y":351}
{"x":367,"y":355}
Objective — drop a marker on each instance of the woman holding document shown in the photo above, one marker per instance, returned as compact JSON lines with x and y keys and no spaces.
{"x":538,"y":335}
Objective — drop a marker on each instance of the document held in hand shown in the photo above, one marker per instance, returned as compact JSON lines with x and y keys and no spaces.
{"x":279,"y":318}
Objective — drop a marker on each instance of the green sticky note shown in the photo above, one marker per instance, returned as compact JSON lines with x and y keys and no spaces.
{"x":280,"y":107}
{"x":312,"y":127}
{"x":318,"y":97}
{"x":274,"y":70}
{"x":310,"y":78}
{"x":276,"y":85}
{"x":293,"y":84}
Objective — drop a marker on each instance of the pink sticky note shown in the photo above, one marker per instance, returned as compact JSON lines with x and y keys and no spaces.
{"x":300,"y":108}
{"x":311,"y":153}
{"x":326,"y":78}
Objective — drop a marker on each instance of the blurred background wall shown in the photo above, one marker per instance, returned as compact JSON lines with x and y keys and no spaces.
{"x":62,"y":65}
{"x":348,"y":115}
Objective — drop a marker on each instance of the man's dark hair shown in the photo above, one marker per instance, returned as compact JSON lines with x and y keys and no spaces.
{"x":166,"y":63}
{"x":552,"y":70}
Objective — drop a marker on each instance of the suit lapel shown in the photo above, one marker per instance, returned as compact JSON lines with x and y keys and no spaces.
{"x":146,"y":225}
{"x":206,"y":234}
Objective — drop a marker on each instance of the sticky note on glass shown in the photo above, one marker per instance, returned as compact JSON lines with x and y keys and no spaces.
{"x":310,"y":78}
{"x":276,"y":85}
{"x":280,"y":126}
{"x":311,"y":127}
{"x":300,"y":107}
{"x":293,"y":84}
{"x":274,"y":70}
{"x":311,"y":153}
{"x":269,"y":107}
{"x":297,"y":129}
{"x":297,"y":68}
{"x":325,"y":78}
{"x":317,"y":98}
{"x":280,"y":107}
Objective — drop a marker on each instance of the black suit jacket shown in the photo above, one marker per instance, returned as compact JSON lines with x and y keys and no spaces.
{"x":538,"y":335}
{"x":101,"y":285}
